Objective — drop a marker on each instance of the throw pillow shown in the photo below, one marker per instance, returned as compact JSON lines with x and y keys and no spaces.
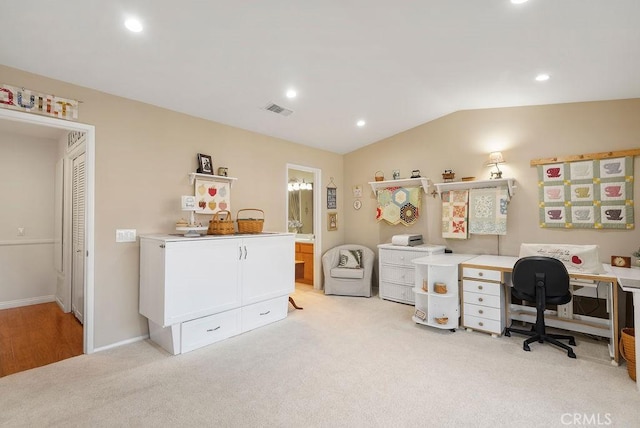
{"x":351,"y":259}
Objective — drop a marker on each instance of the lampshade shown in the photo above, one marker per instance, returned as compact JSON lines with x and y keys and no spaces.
{"x":495,"y":158}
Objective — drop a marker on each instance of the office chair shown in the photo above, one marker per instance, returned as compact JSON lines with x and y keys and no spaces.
{"x":543,"y":280}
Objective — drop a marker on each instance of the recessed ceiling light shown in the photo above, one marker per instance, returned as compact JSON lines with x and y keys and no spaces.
{"x":291,"y":93}
{"x":133,"y":24}
{"x":361,"y":123}
{"x":519,"y":1}
{"x":542,"y":77}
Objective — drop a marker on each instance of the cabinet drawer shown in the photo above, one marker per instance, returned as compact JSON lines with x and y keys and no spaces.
{"x":487,"y":274}
{"x":481,"y":299}
{"x":206,"y":330}
{"x":397,"y":293}
{"x":262,"y":313}
{"x":477,"y":323}
{"x":481,"y":287}
{"x":399,"y":257}
{"x":398,"y":275}
{"x":482,"y":312}
{"x":306,"y":248}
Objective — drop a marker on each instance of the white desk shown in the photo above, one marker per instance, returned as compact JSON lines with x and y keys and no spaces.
{"x":629,"y":280}
{"x":505,"y":264}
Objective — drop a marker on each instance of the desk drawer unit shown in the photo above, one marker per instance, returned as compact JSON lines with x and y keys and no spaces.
{"x":397,"y":274}
{"x":483,"y":300}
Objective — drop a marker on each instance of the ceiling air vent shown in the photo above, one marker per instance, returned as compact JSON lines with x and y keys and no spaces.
{"x":278,"y":109}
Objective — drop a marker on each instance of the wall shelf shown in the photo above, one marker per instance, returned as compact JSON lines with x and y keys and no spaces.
{"x":509,"y":183}
{"x":402,"y":182}
{"x":194,"y":175}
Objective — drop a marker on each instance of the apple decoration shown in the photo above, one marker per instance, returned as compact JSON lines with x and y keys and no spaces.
{"x":212,"y":191}
{"x":576,"y":260}
{"x":223,"y":205}
{"x":202,"y":204}
{"x":202,"y":189}
{"x":212,"y":205}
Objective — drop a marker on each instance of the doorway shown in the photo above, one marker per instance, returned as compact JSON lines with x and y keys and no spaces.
{"x":18,"y":119}
{"x":303,"y":212}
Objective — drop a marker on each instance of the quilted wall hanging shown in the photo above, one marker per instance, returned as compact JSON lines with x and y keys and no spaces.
{"x":399,"y":205}
{"x":488,"y":211}
{"x":455,"y":214}
{"x":595,"y":193}
{"x":212,"y":196}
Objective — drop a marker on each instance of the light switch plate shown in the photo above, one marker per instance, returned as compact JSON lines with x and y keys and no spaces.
{"x":125,"y":235}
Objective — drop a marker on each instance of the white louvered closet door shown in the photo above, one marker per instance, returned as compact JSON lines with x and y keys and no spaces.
{"x":77,"y":226}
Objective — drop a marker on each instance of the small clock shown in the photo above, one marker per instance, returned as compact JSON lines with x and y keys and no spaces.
{"x":357,"y":204}
{"x":621,"y":261}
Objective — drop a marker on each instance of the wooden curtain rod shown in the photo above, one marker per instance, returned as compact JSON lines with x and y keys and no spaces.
{"x":589,"y":156}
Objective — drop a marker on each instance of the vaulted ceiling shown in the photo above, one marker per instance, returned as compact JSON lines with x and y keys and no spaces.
{"x":394,"y":65}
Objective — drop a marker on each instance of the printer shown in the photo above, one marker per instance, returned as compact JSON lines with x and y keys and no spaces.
{"x":407,"y":240}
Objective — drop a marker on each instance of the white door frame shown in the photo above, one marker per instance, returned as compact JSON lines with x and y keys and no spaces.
{"x":317,"y":217}
{"x":90,"y":131}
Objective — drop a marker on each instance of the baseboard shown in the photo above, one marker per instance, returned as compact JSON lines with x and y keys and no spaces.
{"x":122,"y":343}
{"x":27,"y":302}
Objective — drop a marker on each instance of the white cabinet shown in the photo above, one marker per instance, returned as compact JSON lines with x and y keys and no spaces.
{"x":397,"y":273}
{"x":196,"y":291}
{"x":436,"y":290}
{"x":483,"y":299}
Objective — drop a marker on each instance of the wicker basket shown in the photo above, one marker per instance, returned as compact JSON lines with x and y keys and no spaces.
{"x":442,"y":320}
{"x":440,"y":287}
{"x":250,"y":225}
{"x":220,"y":226}
{"x":379,"y":176}
{"x":628,"y":350}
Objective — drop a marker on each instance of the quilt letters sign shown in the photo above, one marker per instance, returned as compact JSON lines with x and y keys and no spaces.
{"x":34,"y":102}
{"x":596,"y":194}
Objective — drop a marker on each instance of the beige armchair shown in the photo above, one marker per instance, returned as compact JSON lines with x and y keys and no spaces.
{"x":347,"y":281}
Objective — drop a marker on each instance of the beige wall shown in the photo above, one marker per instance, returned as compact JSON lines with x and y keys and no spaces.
{"x":143,"y":156}
{"x":144,"y":153}
{"x":27,"y":171}
{"x":462,"y":142}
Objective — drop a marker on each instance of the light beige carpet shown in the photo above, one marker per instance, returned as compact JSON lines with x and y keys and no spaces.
{"x":340,"y":362}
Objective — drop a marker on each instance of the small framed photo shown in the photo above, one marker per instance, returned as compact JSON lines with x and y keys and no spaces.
{"x":205,"y":165}
{"x":621,"y":261}
{"x":332,"y":221}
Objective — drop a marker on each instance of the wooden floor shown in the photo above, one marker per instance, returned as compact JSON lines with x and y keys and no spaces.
{"x":37,"y":335}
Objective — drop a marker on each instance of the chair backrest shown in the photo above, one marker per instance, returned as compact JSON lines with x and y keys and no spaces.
{"x":529,"y":270}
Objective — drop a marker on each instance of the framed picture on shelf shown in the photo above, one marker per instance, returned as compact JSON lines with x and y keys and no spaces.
{"x":205,"y":165}
{"x":332,"y":221}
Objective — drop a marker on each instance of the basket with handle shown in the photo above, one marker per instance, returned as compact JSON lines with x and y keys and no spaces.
{"x":250,"y":224}
{"x":219,"y":225}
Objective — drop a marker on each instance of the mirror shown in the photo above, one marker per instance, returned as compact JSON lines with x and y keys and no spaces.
{"x":300,"y":189}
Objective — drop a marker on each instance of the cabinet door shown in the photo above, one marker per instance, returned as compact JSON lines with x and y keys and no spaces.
{"x":201,"y":278}
{"x":268,"y":269}
{"x":152,"y":283}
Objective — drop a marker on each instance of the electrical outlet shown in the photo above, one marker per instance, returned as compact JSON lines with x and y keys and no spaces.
{"x":21,"y":231}
{"x":125,"y":235}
